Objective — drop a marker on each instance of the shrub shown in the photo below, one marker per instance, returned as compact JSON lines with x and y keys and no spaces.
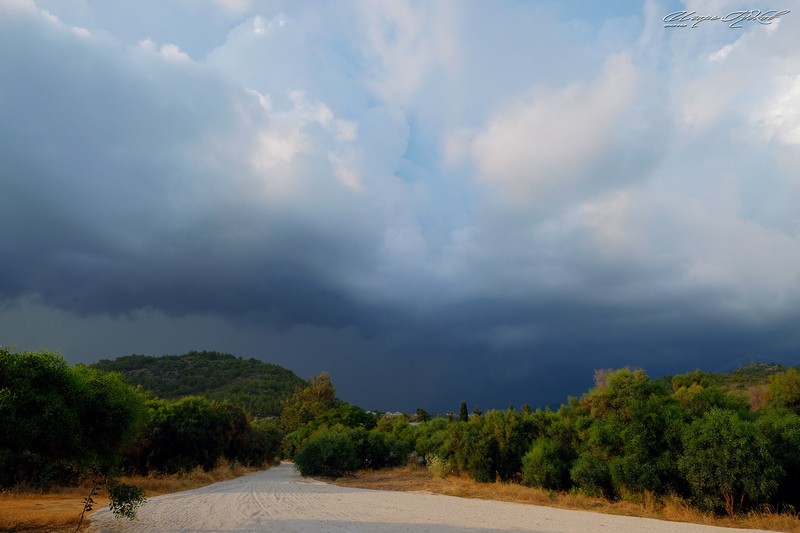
{"x":58,"y":422}
{"x":592,"y":476}
{"x":781,"y":427}
{"x":329,"y":453}
{"x":437,"y":466}
{"x":124,"y":499}
{"x":543,"y":466}
{"x":265,"y":442}
{"x":727,"y":463}
{"x":191,"y":432}
{"x":633,"y":474}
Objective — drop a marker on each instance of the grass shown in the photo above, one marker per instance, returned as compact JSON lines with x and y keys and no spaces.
{"x":417,"y":479}
{"x":58,"y":510}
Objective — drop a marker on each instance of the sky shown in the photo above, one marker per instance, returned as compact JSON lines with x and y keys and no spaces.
{"x":431,"y":201}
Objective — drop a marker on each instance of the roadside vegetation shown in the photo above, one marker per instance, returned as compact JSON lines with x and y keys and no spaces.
{"x":64,"y":426}
{"x":57,"y":508}
{"x":629,"y":439}
{"x":414,"y":478}
{"x":696,"y":444}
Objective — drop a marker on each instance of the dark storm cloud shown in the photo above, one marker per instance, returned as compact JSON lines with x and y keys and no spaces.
{"x":385,"y":194}
{"x":106,"y":206}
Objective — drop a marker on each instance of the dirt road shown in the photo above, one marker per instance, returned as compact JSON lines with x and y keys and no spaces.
{"x":279,"y":500}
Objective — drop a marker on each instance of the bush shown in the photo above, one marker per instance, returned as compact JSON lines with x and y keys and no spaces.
{"x":378,"y":450}
{"x":543,"y":466}
{"x":330,"y":453}
{"x":124,"y":499}
{"x":592,"y":476}
{"x":58,"y":422}
{"x":727,"y":463}
{"x":781,"y":427}
{"x":437,"y":466}
{"x":191,"y":432}
{"x":265,"y":443}
{"x":632,"y":474}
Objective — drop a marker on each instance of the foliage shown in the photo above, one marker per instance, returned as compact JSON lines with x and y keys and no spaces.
{"x":592,"y":476}
{"x":697,"y":399}
{"x":266,"y":439}
{"x":781,"y":428}
{"x":617,"y":394}
{"x":124,"y":499}
{"x":463,"y":412}
{"x":437,"y":466}
{"x":784,"y":389}
{"x":346,"y":415}
{"x":692,"y":435}
{"x":57,"y":421}
{"x":195,"y":432}
{"x":256,"y":386}
{"x":747,"y":376}
{"x":308,"y":402}
{"x":726,"y":462}
{"x":544,"y":466}
{"x":428,"y":438}
{"x":685,"y":436}
{"x":330,"y":453}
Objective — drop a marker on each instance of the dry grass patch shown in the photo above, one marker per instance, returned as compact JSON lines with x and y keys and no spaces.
{"x":154,"y":485}
{"x":59,"y":509}
{"x":417,"y":479}
{"x":43,"y":512}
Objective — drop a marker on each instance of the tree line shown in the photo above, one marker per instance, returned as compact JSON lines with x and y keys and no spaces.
{"x":62,"y":423}
{"x":627,"y":438}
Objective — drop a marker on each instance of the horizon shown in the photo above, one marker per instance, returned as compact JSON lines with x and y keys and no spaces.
{"x":431,"y":202}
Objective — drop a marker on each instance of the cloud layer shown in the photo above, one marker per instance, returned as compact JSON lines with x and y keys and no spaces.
{"x":446,"y":201}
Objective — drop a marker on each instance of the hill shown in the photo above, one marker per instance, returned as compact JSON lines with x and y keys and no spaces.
{"x":748,"y":376}
{"x":255,"y":385}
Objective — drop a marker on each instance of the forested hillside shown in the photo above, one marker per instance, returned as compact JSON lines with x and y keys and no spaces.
{"x":256,"y":386}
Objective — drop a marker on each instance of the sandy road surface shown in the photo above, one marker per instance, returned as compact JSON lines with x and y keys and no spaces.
{"x":280,"y":500}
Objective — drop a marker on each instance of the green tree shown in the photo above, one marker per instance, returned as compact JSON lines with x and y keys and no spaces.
{"x":58,"y":422}
{"x":185,"y":434}
{"x":430,"y":437}
{"x":781,"y":428}
{"x":616,"y":392}
{"x":727,"y":462}
{"x":696,"y":400}
{"x":650,"y":446}
{"x":347,"y":415}
{"x":40,"y":429}
{"x":463,"y":413}
{"x":266,"y":439}
{"x":329,"y":453}
{"x":510,"y":442}
{"x":592,"y":475}
{"x":544,"y":466}
{"x":111,"y":413}
{"x":308,"y":402}
{"x":784,"y":389}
